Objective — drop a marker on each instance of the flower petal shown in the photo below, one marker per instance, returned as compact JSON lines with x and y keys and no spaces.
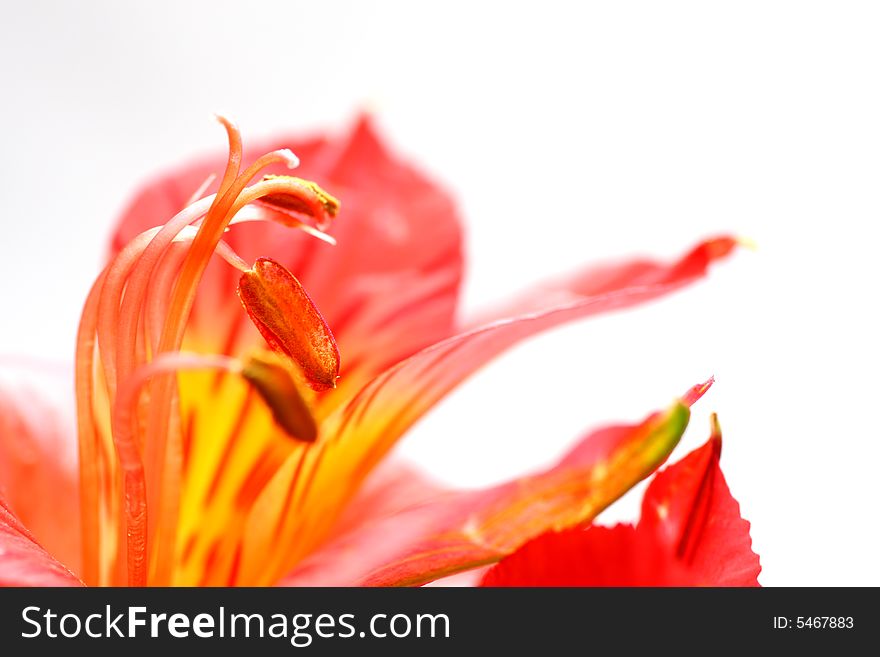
{"x":474,"y":528}
{"x":360,"y":433}
{"x":24,"y":562}
{"x":596,"y":280}
{"x":690,"y":534}
{"x":38,"y":463}
{"x":689,"y":509}
{"x":391,"y":488}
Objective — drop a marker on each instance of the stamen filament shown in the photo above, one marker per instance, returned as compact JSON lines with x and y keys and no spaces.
{"x":233,"y":163}
{"x":229,"y":255}
{"x":139,"y":279}
{"x":89,"y":452}
{"x":200,"y":191}
{"x":268,"y":214}
{"x":124,"y":413}
{"x":194,"y":264}
{"x":102,"y":315}
{"x":130,"y":335}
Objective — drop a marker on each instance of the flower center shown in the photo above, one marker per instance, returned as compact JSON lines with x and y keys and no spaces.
{"x":129,"y":355}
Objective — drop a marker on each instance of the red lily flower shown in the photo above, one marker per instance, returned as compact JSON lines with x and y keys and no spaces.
{"x":690,"y":534}
{"x":227,"y":446}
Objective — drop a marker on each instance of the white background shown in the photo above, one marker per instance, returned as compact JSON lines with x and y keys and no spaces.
{"x":569,"y":132}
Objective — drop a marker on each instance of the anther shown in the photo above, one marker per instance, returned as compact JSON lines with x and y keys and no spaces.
{"x":290,"y":322}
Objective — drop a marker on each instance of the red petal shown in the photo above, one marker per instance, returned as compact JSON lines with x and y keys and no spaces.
{"x":471,"y":529}
{"x":24,"y":562}
{"x":596,"y":556}
{"x":690,"y":534}
{"x":38,"y":466}
{"x":689,"y":509}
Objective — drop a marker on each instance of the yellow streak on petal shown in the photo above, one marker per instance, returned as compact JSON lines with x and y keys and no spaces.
{"x":235,"y":446}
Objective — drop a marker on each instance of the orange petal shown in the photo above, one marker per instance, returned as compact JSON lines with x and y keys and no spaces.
{"x":472,"y":529}
{"x":286,"y":317}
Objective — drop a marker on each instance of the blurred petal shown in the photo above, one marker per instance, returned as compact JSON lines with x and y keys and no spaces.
{"x":360,"y":433}
{"x":595,"y":280}
{"x":474,"y":528}
{"x":24,"y":562}
{"x":38,"y":462}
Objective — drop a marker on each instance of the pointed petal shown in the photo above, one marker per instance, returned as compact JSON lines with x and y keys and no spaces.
{"x":360,"y":433}
{"x":474,"y":528}
{"x":595,"y":280}
{"x":24,"y":562}
{"x":690,"y":510}
{"x":38,"y":466}
{"x":690,"y":534}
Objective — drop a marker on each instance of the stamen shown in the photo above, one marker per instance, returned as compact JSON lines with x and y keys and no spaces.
{"x":233,"y":163}
{"x":278,"y":389}
{"x":90,"y":453}
{"x":229,"y":255}
{"x":134,"y":482}
{"x":252,"y":213}
{"x":157,"y":439}
{"x":305,"y":198}
{"x":118,"y":315}
{"x":290,"y":322}
{"x":136,"y":283}
{"x":138,"y":310}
